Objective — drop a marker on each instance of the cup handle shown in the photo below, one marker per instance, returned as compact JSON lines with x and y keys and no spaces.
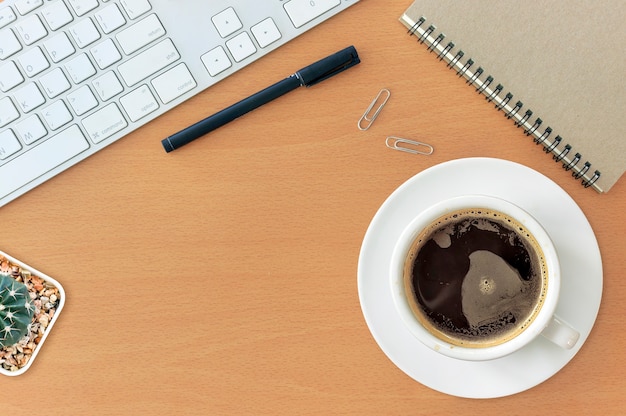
{"x":561,"y":333}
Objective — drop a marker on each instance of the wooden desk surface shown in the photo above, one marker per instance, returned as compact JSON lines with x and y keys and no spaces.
{"x":221,"y":279}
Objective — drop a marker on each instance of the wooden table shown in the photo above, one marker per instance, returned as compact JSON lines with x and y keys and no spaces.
{"x":221,"y":279}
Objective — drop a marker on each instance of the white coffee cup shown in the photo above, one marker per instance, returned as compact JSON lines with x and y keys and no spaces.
{"x":544,"y":323}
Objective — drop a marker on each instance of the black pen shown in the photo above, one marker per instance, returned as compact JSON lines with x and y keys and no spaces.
{"x":311,"y":75}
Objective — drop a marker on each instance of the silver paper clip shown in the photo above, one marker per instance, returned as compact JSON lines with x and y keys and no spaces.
{"x":409,"y":146}
{"x":367,"y":119}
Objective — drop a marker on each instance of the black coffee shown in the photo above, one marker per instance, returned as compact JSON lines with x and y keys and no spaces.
{"x":477,"y":277}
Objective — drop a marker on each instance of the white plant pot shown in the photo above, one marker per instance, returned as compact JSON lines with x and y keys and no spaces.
{"x":41,"y":323}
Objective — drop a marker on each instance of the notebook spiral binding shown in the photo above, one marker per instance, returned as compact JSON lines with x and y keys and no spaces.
{"x":503,"y":102}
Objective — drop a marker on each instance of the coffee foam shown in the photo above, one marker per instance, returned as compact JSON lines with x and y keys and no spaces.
{"x":497,"y":302}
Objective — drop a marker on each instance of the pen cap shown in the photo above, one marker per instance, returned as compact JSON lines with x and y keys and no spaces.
{"x":329,"y":66}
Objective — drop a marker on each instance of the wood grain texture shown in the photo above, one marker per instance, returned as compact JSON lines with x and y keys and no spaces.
{"x":220,"y":279}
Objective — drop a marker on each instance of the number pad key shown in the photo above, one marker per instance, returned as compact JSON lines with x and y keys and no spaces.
{"x":302,"y":12}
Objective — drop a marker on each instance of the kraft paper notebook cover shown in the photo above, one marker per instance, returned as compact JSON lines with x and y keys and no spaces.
{"x":555,"y":68}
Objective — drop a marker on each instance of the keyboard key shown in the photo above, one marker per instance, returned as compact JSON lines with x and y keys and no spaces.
{"x":10,"y":76}
{"x":241,"y":46}
{"x":29,"y":97}
{"x":59,"y":47}
{"x":216,"y":61}
{"x":84,"y":33}
{"x":105,"y":54}
{"x":41,"y":159}
{"x":302,"y":12}
{"x":80,"y":68}
{"x":8,"y":112}
{"x":140,"y":34}
{"x":26,"y":6}
{"x":31,"y":29}
{"x":30,"y":129}
{"x":227,"y":22}
{"x":7,"y":15}
{"x":107,"y":85}
{"x":148,"y":62}
{"x":104,"y":123}
{"x":8,"y":146}
{"x":56,"y":115}
{"x":139,"y":103}
{"x":135,"y":8}
{"x":110,"y":18}
{"x":57,"y":15}
{"x":54,"y":83}
{"x":173,"y":83}
{"x":8,"y":44}
{"x":83,"y":6}
{"x":265,"y":32}
{"x":33,"y":62}
{"x":82,"y":100}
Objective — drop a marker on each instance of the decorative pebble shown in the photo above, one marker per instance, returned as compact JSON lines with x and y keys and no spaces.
{"x":43,"y":320}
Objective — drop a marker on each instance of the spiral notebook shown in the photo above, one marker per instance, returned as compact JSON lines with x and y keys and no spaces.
{"x":557,"y":69}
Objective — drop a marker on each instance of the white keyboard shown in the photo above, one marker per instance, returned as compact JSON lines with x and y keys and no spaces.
{"x":77,"y":75}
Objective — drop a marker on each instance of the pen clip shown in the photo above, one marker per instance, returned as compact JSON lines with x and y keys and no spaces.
{"x":328,"y":67}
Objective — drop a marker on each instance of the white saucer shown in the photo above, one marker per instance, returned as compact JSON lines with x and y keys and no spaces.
{"x":573,"y":237}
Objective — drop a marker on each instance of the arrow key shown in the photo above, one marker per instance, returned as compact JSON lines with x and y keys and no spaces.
{"x":266,"y":32}
{"x":241,"y":46}
{"x":227,"y":22}
{"x":216,"y":61}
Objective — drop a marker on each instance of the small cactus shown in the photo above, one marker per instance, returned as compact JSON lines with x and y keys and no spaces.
{"x":16,"y":311}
